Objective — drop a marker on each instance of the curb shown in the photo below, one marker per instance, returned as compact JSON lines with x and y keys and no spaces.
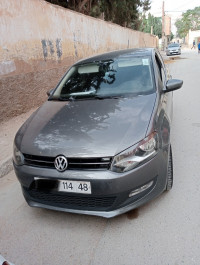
{"x":5,"y":167}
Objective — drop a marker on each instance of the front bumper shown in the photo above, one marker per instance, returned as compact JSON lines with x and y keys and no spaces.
{"x":177,"y":52}
{"x":110,"y":190}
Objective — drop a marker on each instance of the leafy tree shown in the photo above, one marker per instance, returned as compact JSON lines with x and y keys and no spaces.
{"x":122,"y":12}
{"x":171,"y":36}
{"x":190,"y":20}
{"x":151,"y":21}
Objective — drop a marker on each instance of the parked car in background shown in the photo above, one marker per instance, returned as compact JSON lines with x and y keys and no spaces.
{"x":173,"y":49}
{"x":100,"y":145}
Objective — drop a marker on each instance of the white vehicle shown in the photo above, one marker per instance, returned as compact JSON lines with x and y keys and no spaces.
{"x":173,"y":49}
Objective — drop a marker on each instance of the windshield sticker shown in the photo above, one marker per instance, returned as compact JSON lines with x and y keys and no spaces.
{"x":145,"y":61}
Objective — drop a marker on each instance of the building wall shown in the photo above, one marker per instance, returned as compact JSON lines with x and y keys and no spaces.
{"x":191,"y":36}
{"x":39,"y":41}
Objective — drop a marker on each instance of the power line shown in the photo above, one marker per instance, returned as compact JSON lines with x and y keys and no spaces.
{"x":180,"y":8}
{"x":180,"y":11}
{"x":185,"y":4}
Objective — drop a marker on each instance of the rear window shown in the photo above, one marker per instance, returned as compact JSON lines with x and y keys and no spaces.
{"x":120,"y":77}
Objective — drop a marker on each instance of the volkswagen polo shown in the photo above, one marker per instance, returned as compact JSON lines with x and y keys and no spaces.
{"x":100,"y":144}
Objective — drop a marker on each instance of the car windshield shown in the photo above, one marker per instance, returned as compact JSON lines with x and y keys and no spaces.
{"x":173,"y":45}
{"x":110,"y":78}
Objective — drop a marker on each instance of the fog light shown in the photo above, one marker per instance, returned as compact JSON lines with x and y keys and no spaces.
{"x":141,"y":189}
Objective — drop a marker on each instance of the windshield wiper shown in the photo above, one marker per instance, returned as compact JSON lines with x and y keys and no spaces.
{"x":75,"y":98}
{"x":63,"y":99}
{"x":106,"y":97}
{"x":85,"y":98}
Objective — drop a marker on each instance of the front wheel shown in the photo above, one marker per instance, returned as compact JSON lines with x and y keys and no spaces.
{"x":169,"y":171}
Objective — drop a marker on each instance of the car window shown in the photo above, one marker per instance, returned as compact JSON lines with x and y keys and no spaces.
{"x":173,"y":45}
{"x":119,"y":77}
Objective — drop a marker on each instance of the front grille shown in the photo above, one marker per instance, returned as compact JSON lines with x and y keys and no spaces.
{"x":70,"y":201}
{"x":73,"y":163}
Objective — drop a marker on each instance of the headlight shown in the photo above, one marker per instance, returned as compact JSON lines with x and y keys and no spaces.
{"x":17,"y":156}
{"x":134,"y":156}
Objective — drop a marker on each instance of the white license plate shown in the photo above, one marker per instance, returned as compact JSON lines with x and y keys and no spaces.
{"x":74,"y":186}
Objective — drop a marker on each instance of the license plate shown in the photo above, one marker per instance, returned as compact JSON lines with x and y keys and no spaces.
{"x":74,"y":186}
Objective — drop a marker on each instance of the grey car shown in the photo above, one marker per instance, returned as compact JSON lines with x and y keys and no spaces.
{"x":173,"y":49}
{"x":100,"y":145}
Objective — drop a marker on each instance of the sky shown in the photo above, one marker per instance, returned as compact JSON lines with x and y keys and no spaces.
{"x":173,"y":8}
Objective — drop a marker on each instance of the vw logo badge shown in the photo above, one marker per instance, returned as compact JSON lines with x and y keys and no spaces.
{"x":61,"y":163}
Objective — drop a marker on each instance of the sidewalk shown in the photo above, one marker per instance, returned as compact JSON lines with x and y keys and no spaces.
{"x":8,"y":130}
{"x":164,"y":56}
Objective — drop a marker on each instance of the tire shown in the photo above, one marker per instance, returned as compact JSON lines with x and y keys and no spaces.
{"x":169,"y":171}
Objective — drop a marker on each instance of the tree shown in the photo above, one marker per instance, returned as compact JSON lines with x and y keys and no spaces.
{"x":190,"y":20}
{"x":122,"y":12}
{"x":171,"y":36}
{"x":151,"y":21}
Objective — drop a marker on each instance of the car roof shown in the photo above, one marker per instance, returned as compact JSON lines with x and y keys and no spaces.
{"x":118,"y":54}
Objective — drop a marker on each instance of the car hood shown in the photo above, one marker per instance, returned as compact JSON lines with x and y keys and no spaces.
{"x":86,"y":128}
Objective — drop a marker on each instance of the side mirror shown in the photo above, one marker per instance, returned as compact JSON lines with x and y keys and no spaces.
{"x":50,"y":92}
{"x":173,"y":84}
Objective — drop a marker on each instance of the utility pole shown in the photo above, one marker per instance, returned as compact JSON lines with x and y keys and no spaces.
{"x":151,"y":30}
{"x":163,"y":26}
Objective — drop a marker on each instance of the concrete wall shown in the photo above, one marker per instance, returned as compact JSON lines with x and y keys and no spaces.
{"x":39,"y":41}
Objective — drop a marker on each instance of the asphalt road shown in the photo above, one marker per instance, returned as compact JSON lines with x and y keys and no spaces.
{"x":164,"y":231}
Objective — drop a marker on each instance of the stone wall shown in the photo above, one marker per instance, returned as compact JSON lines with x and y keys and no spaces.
{"x":39,"y":41}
